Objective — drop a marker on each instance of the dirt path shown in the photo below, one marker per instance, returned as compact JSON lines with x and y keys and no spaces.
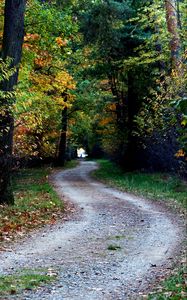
{"x":144,"y":235}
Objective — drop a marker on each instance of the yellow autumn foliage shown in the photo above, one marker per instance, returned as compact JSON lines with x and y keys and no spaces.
{"x":60,"y":42}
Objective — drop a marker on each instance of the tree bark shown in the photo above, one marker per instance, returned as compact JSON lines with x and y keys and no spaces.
{"x":63,"y":139}
{"x":130,"y":162}
{"x":12,"y":48}
{"x":172,"y":25}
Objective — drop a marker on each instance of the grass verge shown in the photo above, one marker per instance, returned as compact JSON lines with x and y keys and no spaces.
{"x":158,"y":186}
{"x":36,"y":204}
{"x":24,"y":280}
{"x":151,"y":185}
{"x":173,"y":288}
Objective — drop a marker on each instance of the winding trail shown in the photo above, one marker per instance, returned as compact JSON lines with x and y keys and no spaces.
{"x":145,"y":236}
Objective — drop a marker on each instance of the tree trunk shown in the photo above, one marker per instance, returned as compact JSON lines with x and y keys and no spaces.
{"x":172,"y":25}
{"x":130,"y":161}
{"x":12,"y":48}
{"x":63,"y":139}
{"x":179,"y":15}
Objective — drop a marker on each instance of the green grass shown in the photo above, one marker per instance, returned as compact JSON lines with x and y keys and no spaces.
{"x":71,"y":164}
{"x":24,"y":280}
{"x":174,"y":288}
{"x":151,"y":185}
{"x":32,"y":190}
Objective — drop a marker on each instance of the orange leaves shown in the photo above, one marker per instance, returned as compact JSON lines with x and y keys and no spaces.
{"x":111,"y":107}
{"x":45,"y":86}
{"x":22,"y":130}
{"x":180,"y":153}
{"x":43,"y":59}
{"x":105,"y":121}
{"x":30,"y":40}
{"x":60,"y":42}
{"x":31,"y":43}
{"x":18,"y":223}
{"x":29,"y":37}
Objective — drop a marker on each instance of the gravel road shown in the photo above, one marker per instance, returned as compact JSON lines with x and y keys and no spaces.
{"x":144,"y":235}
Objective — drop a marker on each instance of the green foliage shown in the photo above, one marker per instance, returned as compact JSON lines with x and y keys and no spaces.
{"x":132,"y":38}
{"x":166,"y":107}
{"x":45,"y":86}
{"x":37,"y":125}
{"x":95,"y":53}
{"x":5,"y":69}
{"x":116,"y":37}
{"x":104,"y":25}
{"x":6,"y":97}
{"x":154,"y":47}
{"x":49,"y":23}
{"x":84,"y":113}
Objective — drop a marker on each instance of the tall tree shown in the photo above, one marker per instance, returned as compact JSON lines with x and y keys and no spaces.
{"x":172,"y":25}
{"x":61,"y":157}
{"x":12,"y":48}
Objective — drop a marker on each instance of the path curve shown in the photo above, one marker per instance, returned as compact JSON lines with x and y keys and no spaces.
{"x":145,"y":236}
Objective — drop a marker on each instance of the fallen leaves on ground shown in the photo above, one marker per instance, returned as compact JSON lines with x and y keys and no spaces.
{"x":36,"y":204}
{"x":174,"y":287}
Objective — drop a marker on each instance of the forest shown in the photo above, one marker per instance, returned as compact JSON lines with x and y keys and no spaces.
{"x":108,"y":76}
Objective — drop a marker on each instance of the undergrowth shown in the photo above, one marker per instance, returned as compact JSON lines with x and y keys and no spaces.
{"x":151,"y":185}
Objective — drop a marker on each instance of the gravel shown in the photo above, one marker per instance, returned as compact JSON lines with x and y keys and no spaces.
{"x":114,"y":247}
